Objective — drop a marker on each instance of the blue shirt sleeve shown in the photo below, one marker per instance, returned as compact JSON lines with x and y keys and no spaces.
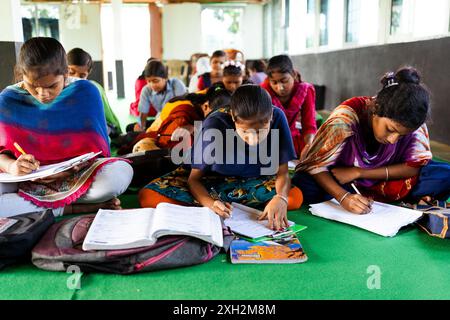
{"x":178,"y":87}
{"x":144,"y":102}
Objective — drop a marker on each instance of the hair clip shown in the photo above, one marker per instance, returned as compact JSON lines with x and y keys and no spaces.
{"x":233,"y":63}
{"x":390,"y":80}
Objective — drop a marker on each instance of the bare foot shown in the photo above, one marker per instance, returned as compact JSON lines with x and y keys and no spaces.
{"x":113,"y":204}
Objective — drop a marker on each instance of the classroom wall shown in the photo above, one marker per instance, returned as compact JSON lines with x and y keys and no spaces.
{"x":356,"y":72}
{"x":11,"y":39}
{"x":88,"y":36}
{"x":182,"y":31}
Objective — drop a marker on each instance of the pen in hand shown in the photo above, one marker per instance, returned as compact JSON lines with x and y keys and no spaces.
{"x":32,"y":165}
{"x":357,"y":191}
{"x":216,"y":196}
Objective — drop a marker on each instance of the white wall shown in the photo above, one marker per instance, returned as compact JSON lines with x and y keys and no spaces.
{"x":11,"y":22}
{"x":88,"y":36}
{"x":182,"y":30}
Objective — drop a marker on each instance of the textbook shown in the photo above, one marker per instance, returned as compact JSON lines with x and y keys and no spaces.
{"x":288,"y":251}
{"x":49,"y":170}
{"x":244,"y":221}
{"x":134,"y":228}
{"x":384,"y":219}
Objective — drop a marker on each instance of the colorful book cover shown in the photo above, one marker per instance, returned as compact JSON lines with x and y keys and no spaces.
{"x":280,"y":251}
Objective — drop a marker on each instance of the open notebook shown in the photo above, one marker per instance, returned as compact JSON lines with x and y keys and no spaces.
{"x":49,"y":170}
{"x":134,"y":228}
{"x":385,"y":219}
{"x":244,"y":221}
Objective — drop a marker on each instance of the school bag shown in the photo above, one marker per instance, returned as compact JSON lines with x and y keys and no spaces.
{"x":61,"y":248}
{"x":435,"y":221}
{"x":17,"y":241}
{"x":149,"y":165}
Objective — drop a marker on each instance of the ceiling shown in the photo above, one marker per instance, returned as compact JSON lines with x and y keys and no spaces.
{"x":160,"y":1}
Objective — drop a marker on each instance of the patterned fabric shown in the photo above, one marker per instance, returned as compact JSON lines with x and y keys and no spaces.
{"x":62,"y":192}
{"x":72,"y":125}
{"x":301,"y":105}
{"x":340,"y":142}
{"x":174,"y":115}
{"x":253,"y":192}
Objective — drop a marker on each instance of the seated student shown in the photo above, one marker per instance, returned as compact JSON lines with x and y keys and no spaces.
{"x":257,"y":71}
{"x":207,"y":79}
{"x":252,"y":146}
{"x":80,"y":66}
{"x":381,"y":143}
{"x":295,"y":97}
{"x":54,"y":121}
{"x":233,"y":75}
{"x":179,"y":115}
{"x":138,"y":86}
{"x":159,"y":90}
{"x":202,"y":67}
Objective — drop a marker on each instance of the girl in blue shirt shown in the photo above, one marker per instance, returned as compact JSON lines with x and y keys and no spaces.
{"x":240,"y":155}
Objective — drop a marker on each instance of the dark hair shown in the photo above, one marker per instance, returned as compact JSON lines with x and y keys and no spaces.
{"x":216,"y":95}
{"x":251,"y":102}
{"x":403,"y":98}
{"x":218,"y":54}
{"x":42,"y":56}
{"x":232,"y":71}
{"x":142,"y":76}
{"x":282,"y":64}
{"x":258,"y":65}
{"x":156,"y":68}
{"x":79,"y":57}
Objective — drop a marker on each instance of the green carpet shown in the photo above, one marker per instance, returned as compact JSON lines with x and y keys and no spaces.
{"x":413,"y":265}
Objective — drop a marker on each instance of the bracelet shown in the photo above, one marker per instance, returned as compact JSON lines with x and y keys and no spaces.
{"x":387,"y":173}
{"x":343,"y":197}
{"x":282,"y":198}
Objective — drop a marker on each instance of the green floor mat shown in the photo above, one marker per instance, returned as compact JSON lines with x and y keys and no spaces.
{"x":343,"y":264}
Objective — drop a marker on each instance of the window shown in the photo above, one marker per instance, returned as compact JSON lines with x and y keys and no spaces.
{"x":401,"y":17}
{"x":40,"y":21}
{"x":221,"y":28}
{"x":323,"y":40}
{"x":353,"y":13}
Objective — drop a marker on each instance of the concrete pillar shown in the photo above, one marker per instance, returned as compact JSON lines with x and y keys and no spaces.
{"x":156,"y":39}
{"x":11,"y":39}
{"x":80,"y":28}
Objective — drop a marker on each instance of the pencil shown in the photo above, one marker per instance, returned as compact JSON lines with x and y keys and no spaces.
{"x":19,"y":148}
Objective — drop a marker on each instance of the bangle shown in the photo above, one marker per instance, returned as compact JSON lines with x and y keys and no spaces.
{"x":387,"y":173}
{"x":343,"y":197}
{"x":282,"y":198}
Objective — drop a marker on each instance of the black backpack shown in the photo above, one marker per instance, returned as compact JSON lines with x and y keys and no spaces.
{"x":17,"y":241}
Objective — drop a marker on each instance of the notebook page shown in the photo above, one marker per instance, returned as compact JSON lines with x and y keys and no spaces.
{"x":245,"y":221}
{"x":119,"y":227}
{"x":384,"y":219}
{"x":176,"y":218}
{"x":47,"y":170}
